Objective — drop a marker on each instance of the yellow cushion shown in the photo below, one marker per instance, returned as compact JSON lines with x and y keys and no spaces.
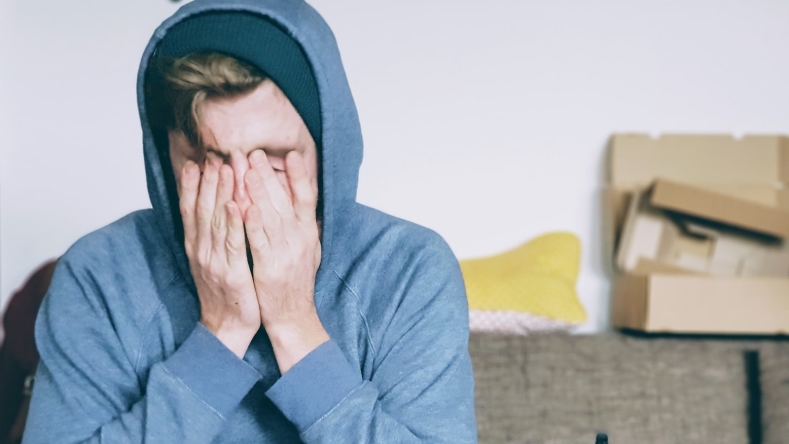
{"x":536,"y":278}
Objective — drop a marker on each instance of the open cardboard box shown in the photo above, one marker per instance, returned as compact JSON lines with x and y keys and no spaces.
{"x":754,"y":168}
{"x":665,"y":296}
{"x":677,"y":227}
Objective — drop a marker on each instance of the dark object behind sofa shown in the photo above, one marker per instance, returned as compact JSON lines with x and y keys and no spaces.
{"x":562,"y":389}
{"x":18,"y":354}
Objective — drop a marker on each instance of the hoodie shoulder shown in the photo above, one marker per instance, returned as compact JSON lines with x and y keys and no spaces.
{"x":129,"y":243}
{"x":122,"y":265}
{"x":389,"y":260}
{"x":401,"y":274}
{"x":375,"y":234}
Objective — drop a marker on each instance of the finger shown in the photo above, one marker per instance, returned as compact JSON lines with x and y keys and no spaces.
{"x":235,"y":242}
{"x":318,"y":255}
{"x":205,"y":204}
{"x":224,"y":194}
{"x":305,"y":200}
{"x":270,"y":220}
{"x":277,"y":195}
{"x":260,"y":196}
{"x":187,"y":192}
{"x":258,"y":240}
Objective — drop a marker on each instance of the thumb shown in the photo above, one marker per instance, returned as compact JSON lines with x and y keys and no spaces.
{"x":318,"y":255}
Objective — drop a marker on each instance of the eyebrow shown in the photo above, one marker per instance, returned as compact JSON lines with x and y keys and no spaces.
{"x":209,"y":149}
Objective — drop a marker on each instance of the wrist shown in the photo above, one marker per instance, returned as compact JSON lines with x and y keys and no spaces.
{"x":235,"y":338}
{"x":292,"y":341}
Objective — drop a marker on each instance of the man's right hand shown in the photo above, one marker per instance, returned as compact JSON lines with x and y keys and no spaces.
{"x":216,"y":247}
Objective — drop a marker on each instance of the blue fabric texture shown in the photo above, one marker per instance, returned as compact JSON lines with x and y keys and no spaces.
{"x":125,"y":360}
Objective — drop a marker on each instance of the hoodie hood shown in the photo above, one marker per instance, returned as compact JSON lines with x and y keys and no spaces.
{"x":340,"y":150}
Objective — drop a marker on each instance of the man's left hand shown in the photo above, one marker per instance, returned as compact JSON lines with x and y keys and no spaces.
{"x":284,"y":241}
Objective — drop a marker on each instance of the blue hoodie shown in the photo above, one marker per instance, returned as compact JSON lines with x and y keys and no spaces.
{"x":124,"y":358}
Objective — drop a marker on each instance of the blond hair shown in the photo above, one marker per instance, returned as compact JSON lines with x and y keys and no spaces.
{"x":179,"y":86}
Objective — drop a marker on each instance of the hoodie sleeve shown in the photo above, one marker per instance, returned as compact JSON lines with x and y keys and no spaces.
{"x":87,"y":389}
{"x":422,"y":386}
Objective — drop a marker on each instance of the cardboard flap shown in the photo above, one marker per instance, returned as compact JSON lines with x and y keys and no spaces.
{"x":714,"y":160}
{"x":718,"y":207}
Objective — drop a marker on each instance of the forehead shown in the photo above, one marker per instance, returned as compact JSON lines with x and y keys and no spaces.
{"x":262,"y":118}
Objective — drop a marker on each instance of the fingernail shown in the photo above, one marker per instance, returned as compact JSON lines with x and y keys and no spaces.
{"x":256,"y":158}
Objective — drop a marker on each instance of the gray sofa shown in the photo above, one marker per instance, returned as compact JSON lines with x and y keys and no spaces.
{"x":640,"y":390}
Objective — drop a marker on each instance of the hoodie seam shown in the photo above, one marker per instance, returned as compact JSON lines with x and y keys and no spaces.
{"x":148,"y":325}
{"x":359,"y":311}
{"x":143,"y":336}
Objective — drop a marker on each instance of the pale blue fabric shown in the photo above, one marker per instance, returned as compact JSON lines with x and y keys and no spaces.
{"x":124,"y":359}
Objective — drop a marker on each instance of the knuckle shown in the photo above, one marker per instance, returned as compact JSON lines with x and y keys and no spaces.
{"x":232,"y":247}
{"x":217,"y":222}
{"x":202,"y":260}
{"x":185,"y":208}
{"x":201,"y":264}
{"x":257,"y":244}
{"x":201,"y":220}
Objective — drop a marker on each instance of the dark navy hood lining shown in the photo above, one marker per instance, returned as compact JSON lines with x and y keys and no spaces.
{"x":341,"y":151}
{"x":257,"y":41}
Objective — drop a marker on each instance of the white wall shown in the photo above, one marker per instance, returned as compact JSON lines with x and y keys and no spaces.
{"x":484,"y":120}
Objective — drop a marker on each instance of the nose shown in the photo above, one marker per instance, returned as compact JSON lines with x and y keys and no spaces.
{"x":240,"y":166}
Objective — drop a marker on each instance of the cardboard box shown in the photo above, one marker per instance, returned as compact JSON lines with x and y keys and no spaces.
{"x":656,"y":241}
{"x":677,"y":295}
{"x":753,"y":168}
{"x":670,"y":303}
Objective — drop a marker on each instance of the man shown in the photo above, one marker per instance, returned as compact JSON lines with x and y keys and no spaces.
{"x":257,"y":301}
